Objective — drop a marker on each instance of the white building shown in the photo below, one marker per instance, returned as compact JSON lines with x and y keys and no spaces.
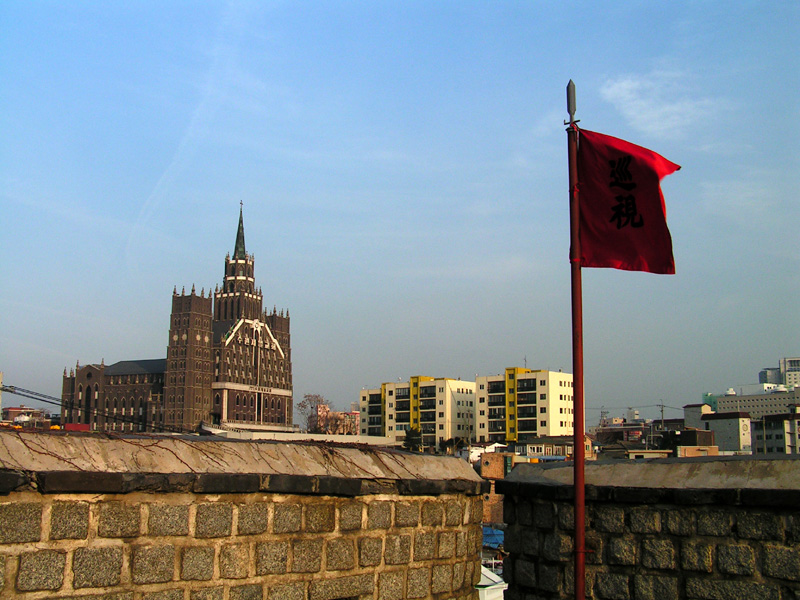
{"x":441,"y":409}
{"x":774,"y":402}
{"x":731,"y":431}
{"x":522,"y":403}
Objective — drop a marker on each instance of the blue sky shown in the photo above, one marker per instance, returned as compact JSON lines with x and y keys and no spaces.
{"x":403,"y":171}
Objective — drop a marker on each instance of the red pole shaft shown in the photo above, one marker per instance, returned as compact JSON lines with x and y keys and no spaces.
{"x":577,"y":365}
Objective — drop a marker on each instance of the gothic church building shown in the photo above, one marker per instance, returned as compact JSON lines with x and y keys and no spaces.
{"x":228,"y":365}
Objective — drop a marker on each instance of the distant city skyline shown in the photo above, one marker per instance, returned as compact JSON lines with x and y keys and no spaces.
{"x":403,"y":172}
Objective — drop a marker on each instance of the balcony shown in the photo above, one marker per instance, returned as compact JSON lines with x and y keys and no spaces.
{"x":527,"y":425}
{"x":403,"y":418}
{"x":429,"y":391}
{"x":497,"y":426}
{"x":374,"y":410}
{"x":428,"y":428}
{"x":497,"y":400}
{"x":526,"y":398}
{"x":428,"y":417}
{"x":497,"y":387}
{"x":427,"y":405}
{"x":403,"y":405}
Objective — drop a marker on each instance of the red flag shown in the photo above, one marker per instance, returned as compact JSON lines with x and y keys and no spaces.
{"x":623,"y":221}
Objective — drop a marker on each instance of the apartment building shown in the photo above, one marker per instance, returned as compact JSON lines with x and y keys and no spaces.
{"x":441,"y":408}
{"x":523,"y":404}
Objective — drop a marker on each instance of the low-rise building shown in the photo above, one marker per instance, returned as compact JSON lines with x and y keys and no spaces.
{"x":777,"y":434}
{"x":731,"y":431}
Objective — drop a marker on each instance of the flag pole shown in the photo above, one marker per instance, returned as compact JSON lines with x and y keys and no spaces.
{"x":577,"y":349}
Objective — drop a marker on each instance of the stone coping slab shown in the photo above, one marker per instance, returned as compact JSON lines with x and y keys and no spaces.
{"x":748,"y":481}
{"x":66,"y":463}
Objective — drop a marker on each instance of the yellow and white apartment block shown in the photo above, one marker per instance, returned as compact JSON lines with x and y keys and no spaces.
{"x":441,"y":408}
{"x":522,"y":404}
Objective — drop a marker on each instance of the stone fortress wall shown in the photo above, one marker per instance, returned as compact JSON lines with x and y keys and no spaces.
{"x":85,"y":516}
{"x":706,"y":529}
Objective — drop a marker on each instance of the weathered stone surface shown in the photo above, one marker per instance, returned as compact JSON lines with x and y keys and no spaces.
{"x":96,"y":567}
{"x":379,"y":515}
{"x":370,"y":551}
{"x":41,"y":570}
{"x":610,"y":519}
{"x":174,"y":594}
{"x":397,"y":549}
{"x":118,"y":520}
{"x":213,"y":519}
{"x":234,"y":560}
{"x":418,"y":584}
{"x":340,"y":554}
{"x":343,"y":587}
{"x":306,"y":556}
{"x":557,"y":547}
{"x":658,"y":553}
{"x":288,"y":591}
{"x":782,"y":562}
{"x":655,"y":587}
{"x":288,"y":518}
{"x":461,"y":543}
{"x":714,"y":522}
{"x":252,"y":591}
{"x":209,"y":593}
{"x":452,"y":513}
{"x":446,"y":548}
{"x":709,"y":589}
{"x":168,"y":519}
{"x":549,"y":578}
{"x":622,"y":551}
{"x":69,"y":520}
{"x":350,"y":515}
{"x":406,"y":514}
{"x":525,"y":573}
{"x":20,"y":522}
{"x":424,"y":545}
{"x":679,"y":521}
{"x":759,"y":526}
{"x":644,"y":520}
{"x":390,"y":586}
{"x":432,"y":513}
{"x":153,"y":564}
{"x":611,"y":586}
{"x":197,"y":563}
{"x":253,"y":518}
{"x":320,"y":517}
{"x":441,"y":579}
{"x":95,"y":454}
{"x":272,"y":557}
{"x":697,"y":556}
{"x":458,"y":575}
{"x":544,"y":515}
{"x":736,"y":559}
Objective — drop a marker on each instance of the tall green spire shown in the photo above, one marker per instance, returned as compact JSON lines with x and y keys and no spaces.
{"x":238,"y":251}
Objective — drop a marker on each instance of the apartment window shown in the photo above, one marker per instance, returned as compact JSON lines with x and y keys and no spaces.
{"x":542,"y":382}
{"x":542,"y":396}
{"x":391,"y":428}
{"x":483,"y":412}
{"x":441,"y":414}
{"x":543,"y":423}
{"x":441,"y":426}
{"x":543,"y":409}
{"x":481,"y":386}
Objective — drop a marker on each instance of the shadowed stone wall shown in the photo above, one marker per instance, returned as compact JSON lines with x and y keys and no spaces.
{"x":730,"y":531}
{"x":398,"y":526}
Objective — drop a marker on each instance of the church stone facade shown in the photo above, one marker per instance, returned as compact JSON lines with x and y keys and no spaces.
{"x":228,"y":364}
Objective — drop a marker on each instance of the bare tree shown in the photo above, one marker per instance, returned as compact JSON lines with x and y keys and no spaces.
{"x":309,"y":409}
